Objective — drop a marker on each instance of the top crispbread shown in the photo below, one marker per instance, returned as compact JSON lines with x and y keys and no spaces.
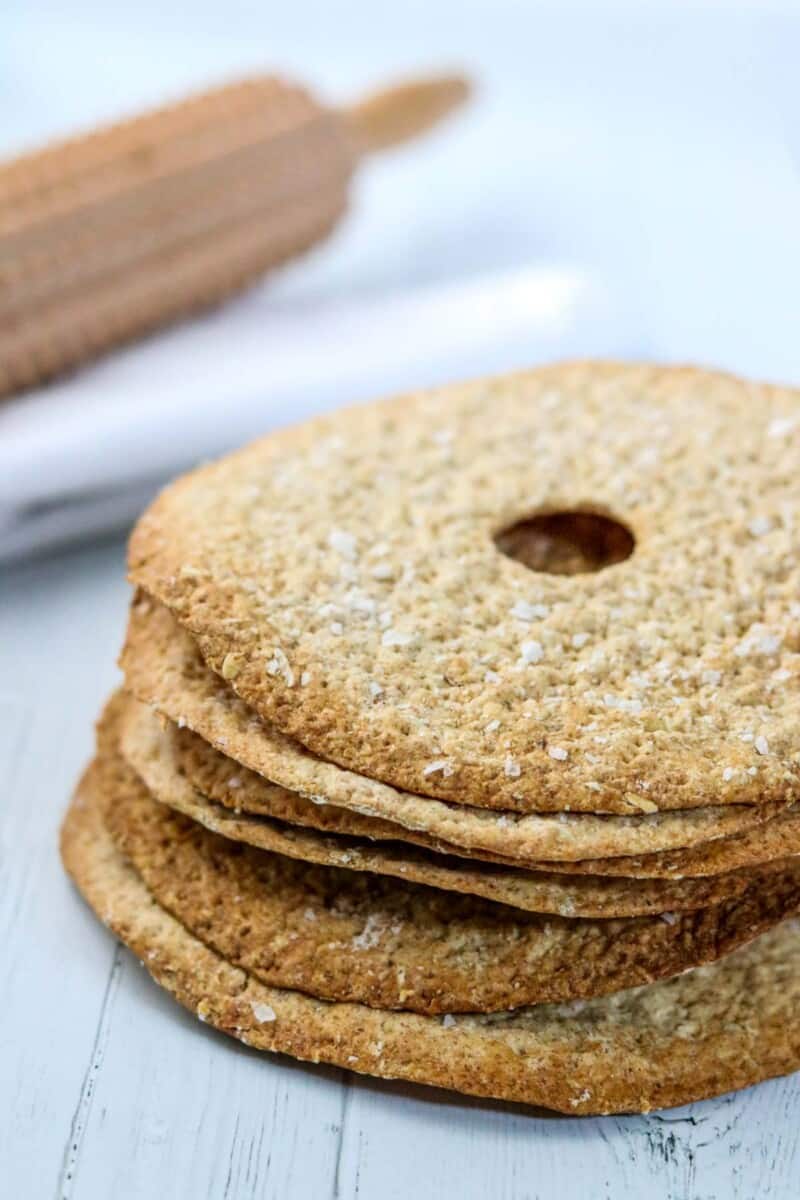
{"x":343,"y":578}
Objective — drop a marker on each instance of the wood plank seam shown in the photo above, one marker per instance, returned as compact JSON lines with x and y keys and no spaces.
{"x":347,"y":1099}
{"x":80,"y":1117}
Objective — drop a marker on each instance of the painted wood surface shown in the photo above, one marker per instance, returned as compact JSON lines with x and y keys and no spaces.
{"x":108,"y":1089}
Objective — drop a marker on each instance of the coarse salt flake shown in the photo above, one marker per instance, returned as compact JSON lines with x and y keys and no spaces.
{"x":759,"y":526}
{"x":761,"y":744}
{"x":371,"y":934}
{"x":394,"y":637}
{"x":360,"y":602}
{"x":769,"y":643}
{"x":557,"y":752}
{"x":512,"y":768}
{"x":781,"y":426}
{"x":531,"y":652}
{"x":621,"y":703}
{"x":442,"y":765}
{"x":524,"y":611}
{"x":278,"y":664}
{"x":263,"y":1012}
{"x":579,"y":640}
{"x":343,"y":543}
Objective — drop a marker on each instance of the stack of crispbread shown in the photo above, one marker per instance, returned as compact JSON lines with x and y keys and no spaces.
{"x":459,"y":740}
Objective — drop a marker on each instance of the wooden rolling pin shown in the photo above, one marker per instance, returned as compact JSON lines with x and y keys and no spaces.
{"x":107,"y":236}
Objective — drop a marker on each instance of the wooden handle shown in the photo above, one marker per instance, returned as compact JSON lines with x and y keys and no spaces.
{"x":403,"y":111}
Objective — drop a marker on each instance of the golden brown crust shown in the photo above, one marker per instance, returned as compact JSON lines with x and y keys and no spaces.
{"x":164,"y":668}
{"x":695,"y":1036}
{"x":356,"y":553}
{"x":152,"y":751}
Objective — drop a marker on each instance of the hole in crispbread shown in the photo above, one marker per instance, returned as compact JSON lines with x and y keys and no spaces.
{"x":572,"y":542}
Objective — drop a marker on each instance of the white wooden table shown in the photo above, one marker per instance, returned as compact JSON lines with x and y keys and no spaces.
{"x":109,"y":1089}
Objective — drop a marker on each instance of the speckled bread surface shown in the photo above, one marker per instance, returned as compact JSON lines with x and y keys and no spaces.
{"x":150,"y":749}
{"x":698,"y":1035}
{"x":343,"y":577}
{"x":163,"y":668}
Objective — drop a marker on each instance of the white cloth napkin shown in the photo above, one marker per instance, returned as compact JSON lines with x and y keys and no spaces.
{"x":85,"y":454}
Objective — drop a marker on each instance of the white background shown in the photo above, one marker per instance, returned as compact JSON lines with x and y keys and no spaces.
{"x":653,"y":147}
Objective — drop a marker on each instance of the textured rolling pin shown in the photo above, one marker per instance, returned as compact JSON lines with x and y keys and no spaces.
{"x":110,"y":235}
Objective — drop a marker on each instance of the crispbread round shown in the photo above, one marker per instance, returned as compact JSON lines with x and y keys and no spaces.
{"x":164,"y":668}
{"x":343,"y":578}
{"x":345,"y":935}
{"x":150,"y":750}
{"x":698,"y":1035}
{"x":226,"y":782}
{"x":778,"y":839}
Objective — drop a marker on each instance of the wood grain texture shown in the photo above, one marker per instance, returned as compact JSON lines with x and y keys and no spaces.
{"x":107,"y":1088}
